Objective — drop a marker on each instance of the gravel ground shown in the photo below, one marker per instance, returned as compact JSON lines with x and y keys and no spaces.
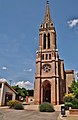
{"x":10,"y":114}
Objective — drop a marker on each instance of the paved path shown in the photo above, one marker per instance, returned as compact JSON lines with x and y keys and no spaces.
{"x":36,"y":107}
{"x":10,"y":114}
{"x":68,"y":117}
{"x":1,"y":116}
{"x":74,"y":117}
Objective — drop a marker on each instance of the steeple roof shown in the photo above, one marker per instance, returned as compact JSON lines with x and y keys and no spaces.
{"x":47,"y":17}
{"x":47,"y":23}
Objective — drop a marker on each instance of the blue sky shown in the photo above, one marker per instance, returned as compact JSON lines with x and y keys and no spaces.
{"x":19,"y":31}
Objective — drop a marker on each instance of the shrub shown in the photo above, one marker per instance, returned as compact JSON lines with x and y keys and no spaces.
{"x":67,"y":105}
{"x":11,"y":103}
{"x":75,"y":101}
{"x":15,"y":104}
{"x":46,"y":107}
{"x":18,"y":106}
{"x":75,"y":106}
{"x":68,"y":97}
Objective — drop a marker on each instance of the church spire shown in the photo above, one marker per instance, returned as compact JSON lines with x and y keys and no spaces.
{"x":47,"y":23}
{"x":47,"y":17}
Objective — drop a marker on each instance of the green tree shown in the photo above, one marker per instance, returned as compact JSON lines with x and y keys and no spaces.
{"x":74,"y":88}
{"x":30,"y":92}
{"x":21,"y":91}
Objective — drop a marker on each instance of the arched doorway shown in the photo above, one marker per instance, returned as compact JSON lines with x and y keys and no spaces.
{"x":46,"y":91}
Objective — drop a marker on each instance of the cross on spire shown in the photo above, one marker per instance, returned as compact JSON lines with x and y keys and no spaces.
{"x":47,"y":2}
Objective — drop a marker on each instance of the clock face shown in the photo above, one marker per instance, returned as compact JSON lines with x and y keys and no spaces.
{"x":46,"y":67}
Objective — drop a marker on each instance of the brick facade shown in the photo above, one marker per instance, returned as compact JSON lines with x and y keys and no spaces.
{"x":50,"y":78}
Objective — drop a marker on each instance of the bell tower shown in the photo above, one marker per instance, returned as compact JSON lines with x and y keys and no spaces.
{"x":47,"y":32}
{"x":49,"y":68}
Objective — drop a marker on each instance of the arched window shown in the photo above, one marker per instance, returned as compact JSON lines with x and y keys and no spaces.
{"x":44,"y":42}
{"x":48,"y":40}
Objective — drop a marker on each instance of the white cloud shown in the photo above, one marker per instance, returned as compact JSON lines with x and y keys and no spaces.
{"x":27,"y":84}
{"x":4,"y":68}
{"x":3,"y":80}
{"x":29,"y":70}
{"x":73,"y":23}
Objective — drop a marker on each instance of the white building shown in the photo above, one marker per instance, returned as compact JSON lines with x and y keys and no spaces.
{"x":6,"y":93}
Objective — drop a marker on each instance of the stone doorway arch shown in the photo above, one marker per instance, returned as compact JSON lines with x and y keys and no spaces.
{"x":46,"y":91}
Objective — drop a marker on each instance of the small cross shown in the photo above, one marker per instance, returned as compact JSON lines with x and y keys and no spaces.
{"x":47,"y":2}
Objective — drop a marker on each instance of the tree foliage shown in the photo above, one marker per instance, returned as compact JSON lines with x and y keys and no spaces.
{"x":74,"y":88}
{"x":23,"y":92}
{"x":71,"y":99}
{"x":30,"y":92}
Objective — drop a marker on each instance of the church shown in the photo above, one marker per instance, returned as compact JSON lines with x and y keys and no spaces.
{"x":51,"y":79}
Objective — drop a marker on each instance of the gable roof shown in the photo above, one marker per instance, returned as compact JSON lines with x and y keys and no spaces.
{"x":5,"y":83}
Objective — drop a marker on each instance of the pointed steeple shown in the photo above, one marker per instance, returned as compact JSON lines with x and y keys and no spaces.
{"x":47,"y":17}
{"x":47,"y":23}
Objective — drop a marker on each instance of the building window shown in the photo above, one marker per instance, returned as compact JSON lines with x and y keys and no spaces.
{"x":43,"y":57}
{"x":46,"y":56}
{"x":49,"y":56}
{"x":44,"y":42}
{"x":48,"y":40}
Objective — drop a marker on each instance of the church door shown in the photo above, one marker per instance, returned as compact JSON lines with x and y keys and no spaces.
{"x":47,"y":92}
